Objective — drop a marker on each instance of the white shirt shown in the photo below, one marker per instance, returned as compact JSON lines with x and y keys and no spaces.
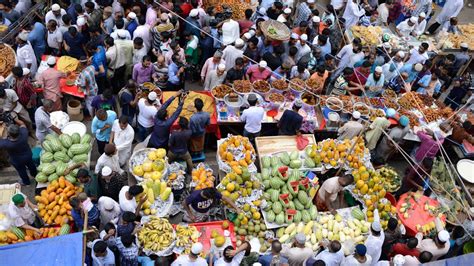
{"x":331,"y":259}
{"x":10,"y":98}
{"x":383,"y":14}
{"x":126,"y":204}
{"x":420,"y":27}
{"x":352,"y":13}
{"x":55,"y":39}
{"x":350,"y":260}
{"x":110,"y":161}
{"x":212,"y":80}
{"x":296,"y":256}
{"x":281,"y":18}
{"x":26,"y":55}
{"x":236,"y":260}
{"x":303,"y":50}
{"x":109,"y":258}
{"x":253,"y":117}
{"x":295,"y":74}
{"x":450,"y":9}
{"x":146,"y":114}
{"x":428,"y":244}
{"x":50,"y":16}
{"x":138,"y":55}
{"x":405,"y":29}
{"x":143,"y":31}
{"x":374,"y":246}
{"x":337,"y":4}
{"x":123,"y":139}
{"x":390,"y":74}
{"x":416,"y":57}
{"x":107,"y":216}
{"x":229,"y":55}
{"x":230,"y":31}
{"x":184,"y":260}
{"x":20,"y":216}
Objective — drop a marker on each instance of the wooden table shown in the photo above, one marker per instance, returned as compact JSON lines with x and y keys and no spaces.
{"x":269,"y":145}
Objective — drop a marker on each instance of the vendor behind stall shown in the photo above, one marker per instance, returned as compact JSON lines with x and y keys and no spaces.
{"x":332,"y":190}
{"x":43,"y":121}
{"x":290,"y":122}
{"x":20,"y":210}
{"x":199,"y":203}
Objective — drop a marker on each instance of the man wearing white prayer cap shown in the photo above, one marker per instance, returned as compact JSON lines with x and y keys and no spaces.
{"x":25,"y":54}
{"x":283,"y":17}
{"x":438,"y":246}
{"x":109,"y":208}
{"x":232,"y":52}
{"x":193,"y":258}
{"x":55,"y":13}
{"x":215,"y":77}
{"x":420,"y":24}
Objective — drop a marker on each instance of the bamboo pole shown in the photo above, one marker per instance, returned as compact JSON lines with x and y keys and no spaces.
{"x":84,"y":237}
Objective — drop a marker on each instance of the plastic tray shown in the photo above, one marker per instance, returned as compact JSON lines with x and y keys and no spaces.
{"x":206,"y":229}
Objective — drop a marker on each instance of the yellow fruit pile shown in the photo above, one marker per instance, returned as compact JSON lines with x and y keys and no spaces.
{"x":369,"y":186}
{"x":156,"y":234}
{"x":153,"y":166}
{"x":186,"y":236}
{"x":53,"y":202}
{"x":152,"y":190}
{"x":202,"y":177}
{"x":333,"y":152}
{"x":235,"y":185}
{"x":237,"y":150}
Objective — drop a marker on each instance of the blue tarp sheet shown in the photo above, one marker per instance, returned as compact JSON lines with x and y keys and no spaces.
{"x":60,"y":250}
{"x":464,"y":260}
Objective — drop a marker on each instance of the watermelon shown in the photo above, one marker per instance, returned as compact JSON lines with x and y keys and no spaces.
{"x":74,"y":172}
{"x":274,"y":195}
{"x":47,"y":146}
{"x":60,"y":168}
{"x":52,"y":177}
{"x":55,"y":144}
{"x":266,"y":162}
{"x":79,"y":148}
{"x":280,"y":219}
{"x":48,"y":168}
{"x":41,"y":178}
{"x":270,"y":216}
{"x":71,"y":178}
{"x":18,"y":232}
{"x":46,"y":157}
{"x":61,"y":157}
{"x":308,"y":162}
{"x":305,"y":216}
{"x":86,"y":139}
{"x":285,"y":158}
{"x":303,"y":197}
{"x":50,"y":136}
{"x":298,"y":205}
{"x":277,"y":208}
{"x":76,"y":138}
{"x":297,"y":217}
{"x":357,"y":214}
{"x":80,"y":158}
{"x":65,"y":140}
{"x":64,"y":230}
{"x":313,"y":212}
{"x":275,"y":161}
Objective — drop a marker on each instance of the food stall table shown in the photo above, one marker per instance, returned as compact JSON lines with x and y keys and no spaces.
{"x":212,"y":127}
{"x":72,"y":90}
{"x":206,"y":228}
{"x":417,"y":214}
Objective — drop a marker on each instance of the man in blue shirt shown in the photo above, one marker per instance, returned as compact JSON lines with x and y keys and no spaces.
{"x":16,"y":144}
{"x":37,"y":39}
{"x":174,"y":74}
{"x":99,"y":61}
{"x":74,"y":41}
{"x":274,"y":257}
{"x":412,"y":71}
{"x":132,"y":23}
{"x":102,"y":126}
{"x":161,"y":130}
{"x":199,"y":121}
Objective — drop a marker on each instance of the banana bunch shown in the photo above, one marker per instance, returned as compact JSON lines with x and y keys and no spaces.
{"x":156,"y":235}
{"x":186,"y":236}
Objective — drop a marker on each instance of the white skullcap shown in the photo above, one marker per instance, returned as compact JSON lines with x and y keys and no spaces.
{"x":464,"y":45}
{"x":356,"y":114}
{"x":108,"y":203}
{"x":304,"y":37}
{"x":418,"y":67}
{"x":262,"y":64}
{"x":122,"y":34}
{"x":376,"y":226}
{"x":81,"y":21}
{"x":164,"y":17}
{"x":413,"y":19}
{"x":196,"y":248}
{"x":2,"y":79}
{"x":443,"y":236}
{"x":386,"y":45}
{"x":401,"y":54}
{"x":221,"y":67}
{"x":422,"y":14}
{"x":399,"y":260}
{"x":310,"y":1}
{"x":26,"y":71}
{"x":287,"y":10}
{"x":152,"y":96}
{"x":106,"y":171}
{"x":247,"y":35}
{"x":262,"y":11}
{"x":51,"y":60}
{"x":239,"y":42}
{"x":378,"y":69}
{"x":23,"y":36}
{"x":316,"y":19}
{"x":194,"y":13}
{"x":55,"y":7}
{"x":294,"y":35}
{"x":132,"y":15}
{"x":300,"y":237}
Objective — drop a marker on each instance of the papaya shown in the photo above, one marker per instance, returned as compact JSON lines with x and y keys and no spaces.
{"x":51,"y":196}
{"x":62,"y":183}
{"x":29,"y":238}
{"x":11,"y":236}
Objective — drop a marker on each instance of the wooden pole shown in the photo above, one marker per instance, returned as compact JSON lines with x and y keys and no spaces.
{"x":84,"y":237}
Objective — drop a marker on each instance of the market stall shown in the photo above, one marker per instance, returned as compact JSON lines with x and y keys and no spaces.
{"x":68,"y":84}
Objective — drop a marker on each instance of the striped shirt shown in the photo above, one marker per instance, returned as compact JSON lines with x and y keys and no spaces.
{"x":303,"y":13}
{"x":128,"y":255}
{"x":87,"y":81}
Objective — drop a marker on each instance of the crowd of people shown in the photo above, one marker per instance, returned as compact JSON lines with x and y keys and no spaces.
{"x":120,"y":45}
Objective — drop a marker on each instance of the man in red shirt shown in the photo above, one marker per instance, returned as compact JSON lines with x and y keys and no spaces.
{"x":406,"y":249}
{"x":186,"y":8}
{"x":258,"y":72}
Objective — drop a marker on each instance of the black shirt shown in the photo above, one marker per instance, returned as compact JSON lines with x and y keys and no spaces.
{"x":234,"y":74}
{"x":178,"y":143}
{"x":112,"y":188}
{"x":273,"y":61}
{"x":273,"y":13}
{"x":290,"y":122}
